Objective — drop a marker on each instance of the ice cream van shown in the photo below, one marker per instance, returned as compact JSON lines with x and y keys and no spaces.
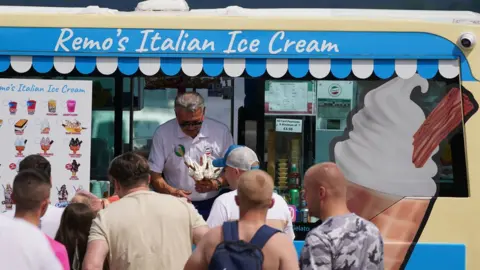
{"x":390,"y":96}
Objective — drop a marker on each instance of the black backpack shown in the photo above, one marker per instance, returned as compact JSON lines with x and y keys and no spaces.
{"x":236,"y":254}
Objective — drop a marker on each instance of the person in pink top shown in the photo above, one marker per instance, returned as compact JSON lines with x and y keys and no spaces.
{"x":31,"y":194}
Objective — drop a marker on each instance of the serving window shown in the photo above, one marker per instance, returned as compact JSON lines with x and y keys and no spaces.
{"x":398,"y":134}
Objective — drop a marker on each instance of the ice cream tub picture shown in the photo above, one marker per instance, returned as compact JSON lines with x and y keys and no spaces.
{"x":31,"y":106}
{"x":74,"y":146}
{"x":52,"y":107}
{"x":73,"y":127}
{"x":20,"y":144}
{"x":70,"y":106}
{"x":20,"y":126}
{"x":7,"y":194}
{"x":73,"y":168}
{"x":12,"y":107}
{"x":44,"y":126}
{"x":45,"y":144}
{"x":62,"y":194}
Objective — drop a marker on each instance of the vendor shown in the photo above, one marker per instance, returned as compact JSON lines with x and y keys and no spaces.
{"x":189,"y":135}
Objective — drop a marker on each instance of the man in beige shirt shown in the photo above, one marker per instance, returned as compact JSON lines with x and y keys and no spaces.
{"x":144,"y":229}
{"x":254,"y":198}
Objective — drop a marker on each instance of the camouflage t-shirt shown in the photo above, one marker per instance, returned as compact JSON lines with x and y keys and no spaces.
{"x":346,"y":242}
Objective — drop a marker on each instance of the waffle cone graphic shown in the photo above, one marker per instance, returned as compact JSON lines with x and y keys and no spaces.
{"x":399,"y":219}
{"x":401,"y":226}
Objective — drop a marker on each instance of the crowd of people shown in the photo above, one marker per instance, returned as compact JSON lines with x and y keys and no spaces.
{"x":156,"y":221}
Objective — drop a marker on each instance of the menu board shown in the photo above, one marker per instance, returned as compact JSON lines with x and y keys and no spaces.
{"x":289,"y":97}
{"x":51,"y":118}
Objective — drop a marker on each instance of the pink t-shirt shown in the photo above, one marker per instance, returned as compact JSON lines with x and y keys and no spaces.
{"x":60,"y":252}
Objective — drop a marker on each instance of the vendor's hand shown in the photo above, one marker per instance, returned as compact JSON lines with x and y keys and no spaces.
{"x":206,"y":185}
{"x":181,"y":193}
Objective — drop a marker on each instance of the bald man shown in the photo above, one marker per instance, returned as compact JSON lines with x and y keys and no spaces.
{"x":254,"y":198}
{"x":344,"y":240}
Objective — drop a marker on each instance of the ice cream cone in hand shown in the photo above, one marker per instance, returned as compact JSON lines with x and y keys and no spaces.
{"x":195,"y":170}
{"x":203,"y":170}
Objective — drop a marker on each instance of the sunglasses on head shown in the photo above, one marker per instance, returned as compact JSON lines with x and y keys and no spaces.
{"x":191,"y":124}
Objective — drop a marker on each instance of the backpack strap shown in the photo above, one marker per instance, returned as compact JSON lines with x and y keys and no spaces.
{"x":262,"y":236}
{"x":230,"y":231}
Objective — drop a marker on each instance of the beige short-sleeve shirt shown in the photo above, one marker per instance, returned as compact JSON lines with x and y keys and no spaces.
{"x":147,"y":230}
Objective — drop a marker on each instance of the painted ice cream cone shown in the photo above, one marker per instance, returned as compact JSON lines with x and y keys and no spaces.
{"x":376,"y":157}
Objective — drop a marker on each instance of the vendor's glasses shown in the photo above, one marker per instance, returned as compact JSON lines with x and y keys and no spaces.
{"x":191,"y":124}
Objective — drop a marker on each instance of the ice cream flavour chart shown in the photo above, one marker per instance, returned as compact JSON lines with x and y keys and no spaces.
{"x":51,"y":118}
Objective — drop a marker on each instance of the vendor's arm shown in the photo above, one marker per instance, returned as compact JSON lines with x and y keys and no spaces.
{"x":156,"y":161}
{"x":159,"y":184}
{"x":97,"y":248}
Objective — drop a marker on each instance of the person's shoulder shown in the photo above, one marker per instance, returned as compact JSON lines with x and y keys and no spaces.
{"x":166,"y":128}
{"x":146,"y":195}
{"x":213,"y":237}
{"x":280,"y":202}
{"x":278,"y":241}
{"x":323,"y":234}
{"x":226,"y":198}
{"x":367,"y":226}
{"x":23,"y":231}
{"x":280,"y":206}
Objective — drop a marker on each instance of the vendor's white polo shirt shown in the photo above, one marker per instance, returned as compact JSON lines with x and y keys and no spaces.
{"x":226,"y":209}
{"x":168,"y":141}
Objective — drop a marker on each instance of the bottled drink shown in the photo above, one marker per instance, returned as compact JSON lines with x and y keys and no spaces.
{"x":293,"y":177}
{"x":294,"y":197}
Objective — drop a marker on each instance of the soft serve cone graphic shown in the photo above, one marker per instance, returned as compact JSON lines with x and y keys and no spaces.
{"x":376,"y":157}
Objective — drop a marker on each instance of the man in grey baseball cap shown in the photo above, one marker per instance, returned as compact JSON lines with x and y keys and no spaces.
{"x":237,"y":160}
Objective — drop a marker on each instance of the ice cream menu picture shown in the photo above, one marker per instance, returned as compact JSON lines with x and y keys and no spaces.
{"x":51,"y":118}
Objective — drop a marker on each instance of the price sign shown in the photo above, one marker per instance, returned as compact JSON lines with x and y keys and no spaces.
{"x":288,"y":125}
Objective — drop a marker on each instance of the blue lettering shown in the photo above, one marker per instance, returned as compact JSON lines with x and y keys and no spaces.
{"x":66,"y":89}
{"x":4,"y":88}
{"x":175,"y":41}
{"x":61,"y":204}
{"x":52,"y":89}
{"x":30,"y":88}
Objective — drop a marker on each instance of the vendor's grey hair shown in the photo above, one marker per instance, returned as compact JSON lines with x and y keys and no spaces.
{"x":190,"y":101}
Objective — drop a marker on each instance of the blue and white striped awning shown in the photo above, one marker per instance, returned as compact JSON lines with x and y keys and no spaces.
{"x":234,"y":67}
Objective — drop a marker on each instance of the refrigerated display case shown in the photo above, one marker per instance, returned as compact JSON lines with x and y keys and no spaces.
{"x":289,"y":118}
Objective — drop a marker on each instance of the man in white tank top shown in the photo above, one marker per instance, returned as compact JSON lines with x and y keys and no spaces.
{"x":237,"y":160}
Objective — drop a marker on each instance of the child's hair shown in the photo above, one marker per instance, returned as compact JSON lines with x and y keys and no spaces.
{"x":74,"y":229}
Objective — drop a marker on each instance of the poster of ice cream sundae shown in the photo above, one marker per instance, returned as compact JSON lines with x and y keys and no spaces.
{"x":51,"y":118}
{"x":62,"y":194}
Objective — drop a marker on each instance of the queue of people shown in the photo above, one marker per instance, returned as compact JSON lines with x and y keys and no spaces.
{"x":247,"y":226}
